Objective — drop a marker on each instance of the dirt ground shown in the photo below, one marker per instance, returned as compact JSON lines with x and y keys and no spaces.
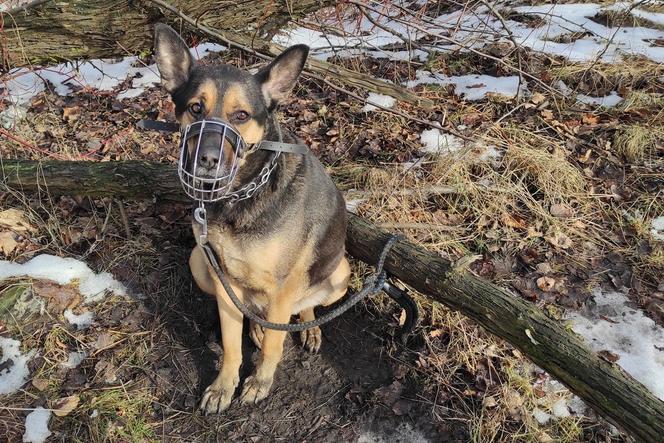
{"x":551,"y":197}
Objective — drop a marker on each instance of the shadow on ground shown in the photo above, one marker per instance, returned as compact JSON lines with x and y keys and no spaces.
{"x":355,"y":389}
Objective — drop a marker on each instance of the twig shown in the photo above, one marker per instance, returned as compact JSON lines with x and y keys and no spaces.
{"x":123,"y":217}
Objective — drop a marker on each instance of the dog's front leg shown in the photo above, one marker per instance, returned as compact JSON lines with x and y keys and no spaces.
{"x":257,"y":386}
{"x":218,"y":395}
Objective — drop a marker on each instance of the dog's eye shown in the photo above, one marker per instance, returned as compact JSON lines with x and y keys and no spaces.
{"x":241,"y":116}
{"x":195,"y":108}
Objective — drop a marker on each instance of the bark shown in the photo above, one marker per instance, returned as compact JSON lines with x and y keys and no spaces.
{"x":51,"y":31}
{"x":603,"y":385}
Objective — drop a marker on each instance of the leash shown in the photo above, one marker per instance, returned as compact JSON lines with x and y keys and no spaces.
{"x":372,"y":285}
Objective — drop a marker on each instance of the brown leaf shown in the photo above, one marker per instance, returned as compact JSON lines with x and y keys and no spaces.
{"x":609,"y":356}
{"x":71,"y":114}
{"x":546,"y":283}
{"x":65,"y":405}
{"x":559,"y":240}
{"x":40,"y":383}
{"x":58,"y":298}
{"x":561,"y":210}
{"x":544,"y":268}
{"x":8,"y":243}
{"x":17,"y":221}
{"x":513,"y":221}
{"x":590,"y":119}
{"x":537,"y":98}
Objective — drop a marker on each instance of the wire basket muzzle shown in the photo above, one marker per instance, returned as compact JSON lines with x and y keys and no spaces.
{"x":203,"y":179}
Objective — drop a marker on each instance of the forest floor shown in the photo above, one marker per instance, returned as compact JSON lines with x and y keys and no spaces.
{"x":549,"y":170}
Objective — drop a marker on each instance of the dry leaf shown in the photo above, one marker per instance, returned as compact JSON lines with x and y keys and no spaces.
{"x":65,"y":405}
{"x":513,"y":221}
{"x":547,"y":114}
{"x":7,"y":242}
{"x":585,"y":157}
{"x":544,"y":268}
{"x":71,"y":114}
{"x":17,"y":221}
{"x":489,"y":402}
{"x":589,"y":119}
{"x":546,"y":283}
{"x":40,"y":383}
{"x":561,"y":210}
{"x":559,"y":240}
{"x":537,"y":98}
{"x":609,"y":356}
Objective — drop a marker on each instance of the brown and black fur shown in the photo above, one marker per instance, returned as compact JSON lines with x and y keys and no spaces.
{"x":283,"y":249}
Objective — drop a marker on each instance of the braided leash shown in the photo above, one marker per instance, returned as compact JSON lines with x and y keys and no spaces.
{"x":373,"y":284}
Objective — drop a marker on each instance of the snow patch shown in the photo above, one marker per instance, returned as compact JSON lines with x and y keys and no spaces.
{"x":81,"y":321}
{"x":378,"y":99}
{"x":436,"y":142}
{"x":608,"y":101}
{"x":36,"y":426}
{"x":657,"y":228}
{"x":74,"y":359}
{"x":541,"y":416}
{"x":64,"y":271}
{"x":16,"y":374}
{"x":630,"y":334}
{"x":471,"y":87}
{"x":559,"y":409}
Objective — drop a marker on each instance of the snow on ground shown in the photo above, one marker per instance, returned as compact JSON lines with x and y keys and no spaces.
{"x":74,"y":359}
{"x":36,"y":426}
{"x":22,"y":84}
{"x":471,"y":87}
{"x":378,"y":99}
{"x":615,"y":326}
{"x":63,"y":271}
{"x":657,"y":228}
{"x":15,"y":374}
{"x":81,"y":321}
{"x":437,"y":142}
{"x":564,"y":30}
{"x":608,"y":101}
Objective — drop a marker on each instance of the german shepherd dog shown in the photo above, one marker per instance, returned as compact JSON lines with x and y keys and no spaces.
{"x":283,"y":248}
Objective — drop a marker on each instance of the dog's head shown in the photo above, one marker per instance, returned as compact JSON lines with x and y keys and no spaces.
{"x":239,"y":98}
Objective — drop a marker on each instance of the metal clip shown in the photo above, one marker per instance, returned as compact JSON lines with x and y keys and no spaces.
{"x":200,"y":215}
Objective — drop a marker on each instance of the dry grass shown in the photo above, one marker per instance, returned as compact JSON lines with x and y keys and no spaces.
{"x":639,"y":142}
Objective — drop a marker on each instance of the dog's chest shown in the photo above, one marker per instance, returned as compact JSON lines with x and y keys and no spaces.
{"x":260,"y":265}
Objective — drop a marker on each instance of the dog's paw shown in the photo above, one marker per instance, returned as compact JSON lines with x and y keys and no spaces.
{"x":311,"y":339}
{"x":217,"y":397}
{"x":255,"y":389}
{"x":256,"y":332}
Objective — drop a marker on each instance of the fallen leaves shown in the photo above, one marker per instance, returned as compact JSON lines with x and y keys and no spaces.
{"x":546,"y":284}
{"x":559,"y":240}
{"x":65,"y":405}
{"x":15,"y":224}
{"x":561,"y":210}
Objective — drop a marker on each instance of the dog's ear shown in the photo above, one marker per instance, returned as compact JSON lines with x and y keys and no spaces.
{"x":173,"y":57}
{"x":278,"y":78}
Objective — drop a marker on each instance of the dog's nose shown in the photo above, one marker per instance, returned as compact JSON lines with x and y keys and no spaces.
{"x":209,"y":159}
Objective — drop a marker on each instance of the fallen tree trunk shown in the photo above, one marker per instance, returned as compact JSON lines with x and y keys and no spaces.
{"x":50,"y":31}
{"x":603,"y":385}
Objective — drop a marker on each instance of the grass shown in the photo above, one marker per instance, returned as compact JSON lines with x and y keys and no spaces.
{"x":639,"y":142}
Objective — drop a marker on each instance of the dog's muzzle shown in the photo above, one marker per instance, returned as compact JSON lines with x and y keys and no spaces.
{"x":209,"y":159}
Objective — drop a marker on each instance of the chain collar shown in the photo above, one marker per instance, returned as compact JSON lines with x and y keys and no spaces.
{"x":248,"y":190}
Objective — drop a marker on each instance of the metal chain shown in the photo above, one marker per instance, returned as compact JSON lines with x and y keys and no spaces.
{"x":373,"y":284}
{"x":248,"y":190}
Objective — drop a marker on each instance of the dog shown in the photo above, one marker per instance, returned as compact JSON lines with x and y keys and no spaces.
{"x":283,"y":249}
